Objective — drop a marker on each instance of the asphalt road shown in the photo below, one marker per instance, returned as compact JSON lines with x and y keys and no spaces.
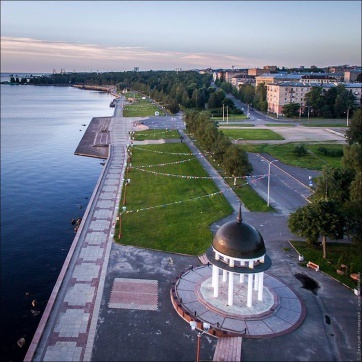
{"x":289,"y":186}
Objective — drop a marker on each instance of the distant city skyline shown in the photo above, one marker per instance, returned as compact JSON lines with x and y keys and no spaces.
{"x":39,"y":36}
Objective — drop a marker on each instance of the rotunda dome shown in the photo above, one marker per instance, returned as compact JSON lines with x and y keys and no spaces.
{"x":239,"y":239}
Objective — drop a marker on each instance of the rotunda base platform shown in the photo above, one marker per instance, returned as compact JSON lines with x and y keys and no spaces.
{"x":281,"y":310}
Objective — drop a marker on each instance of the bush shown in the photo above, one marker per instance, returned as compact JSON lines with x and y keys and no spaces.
{"x":300,"y":150}
{"x":330,"y":152}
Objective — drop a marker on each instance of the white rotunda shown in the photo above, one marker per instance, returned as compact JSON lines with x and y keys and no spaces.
{"x":238,"y":248}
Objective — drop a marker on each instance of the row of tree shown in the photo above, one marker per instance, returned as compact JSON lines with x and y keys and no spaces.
{"x":185,"y":89}
{"x":336,"y":207}
{"x":233,"y":159}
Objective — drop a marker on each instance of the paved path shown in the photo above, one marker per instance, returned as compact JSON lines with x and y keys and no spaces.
{"x":67,"y":329}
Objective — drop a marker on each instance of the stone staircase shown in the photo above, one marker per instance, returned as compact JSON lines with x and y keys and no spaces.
{"x":203,"y":258}
{"x":228,"y":349}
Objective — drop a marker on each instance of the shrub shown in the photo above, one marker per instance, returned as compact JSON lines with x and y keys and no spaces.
{"x":330,"y":152}
{"x":300,"y":150}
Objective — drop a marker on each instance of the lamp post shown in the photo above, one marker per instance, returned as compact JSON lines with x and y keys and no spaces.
{"x":347,"y":115}
{"x":249,"y":104}
{"x":270,"y":163}
{"x":206,"y":328}
{"x":125,"y":190}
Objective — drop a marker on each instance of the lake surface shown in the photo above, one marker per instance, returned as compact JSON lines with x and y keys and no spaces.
{"x":43,"y":186}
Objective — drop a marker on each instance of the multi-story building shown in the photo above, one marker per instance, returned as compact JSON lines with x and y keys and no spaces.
{"x":280,"y":94}
{"x":351,"y":75}
{"x":242,"y":79}
{"x":321,"y":78}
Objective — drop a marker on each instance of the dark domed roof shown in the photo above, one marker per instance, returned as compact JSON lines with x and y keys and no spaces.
{"x":240,"y":240}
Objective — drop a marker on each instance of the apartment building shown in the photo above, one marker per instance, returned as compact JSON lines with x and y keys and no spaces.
{"x":351,"y":75}
{"x":242,"y":79}
{"x":321,"y":78}
{"x":280,"y":94}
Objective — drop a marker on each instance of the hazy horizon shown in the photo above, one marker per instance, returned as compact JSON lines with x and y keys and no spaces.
{"x":85,"y":36}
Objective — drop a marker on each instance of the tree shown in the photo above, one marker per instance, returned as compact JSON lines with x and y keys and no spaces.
{"x":334,"y":184}
{"x":344,"y":100}
{"x":260,"y":96}
{"x":322,"y":218}
{"x":354,"y":133}
{"x":291,"y":110}
{"x":314,"y":99}
{"x":236,"y":162}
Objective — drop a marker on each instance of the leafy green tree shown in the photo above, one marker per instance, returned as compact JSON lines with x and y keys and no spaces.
{"x":216,"y":99}
{"x":334,"y":184}
{"x":354,"y":133}
{"x":291,"y":110}
{"x":322,"y":218}
{"x":227,"y":87}
{"x":352,"y":157}
{"x":220,"y":147}
{"x":260,"y":96}
{"x":246,"y":93}
{"x":314,"y":99}
{"x":344,"y":100}
{"x":236,"y":162}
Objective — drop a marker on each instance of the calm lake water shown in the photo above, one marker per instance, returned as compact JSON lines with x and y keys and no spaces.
{"x":43,"y":186}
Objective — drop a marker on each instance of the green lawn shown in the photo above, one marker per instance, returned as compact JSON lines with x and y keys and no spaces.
{"x":156,"y":134}
{"x":170,"y":213}
{"x":141,"y":108}
{"x":231,"y":118}
{"x":284,"y":152}
{"x":337,"y":254}
{"x":252,"y":134}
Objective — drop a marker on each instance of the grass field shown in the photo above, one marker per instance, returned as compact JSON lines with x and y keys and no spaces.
{"x":156,"y":134}
{"x":284,"y":152}
{"x":231,"y":118}
{"x":337,"y":254}
{"x":165,"y":212}
{"x":252,"y":134}
{"x":141,"y":108}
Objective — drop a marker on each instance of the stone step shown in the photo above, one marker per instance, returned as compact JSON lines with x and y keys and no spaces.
{"x":203,"y":258}
{"x":228,"y":349}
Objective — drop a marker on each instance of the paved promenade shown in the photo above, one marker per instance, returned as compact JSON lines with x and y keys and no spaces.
{"x":67,"y":328}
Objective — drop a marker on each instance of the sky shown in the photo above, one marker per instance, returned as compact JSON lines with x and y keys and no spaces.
{"x":85,"y":36}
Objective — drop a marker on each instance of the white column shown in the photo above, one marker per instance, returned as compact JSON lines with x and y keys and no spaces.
{"x":256,"y":280}
{"x":249,"y":301}
{"x":224,"y":276}
{"x":242,"y":278}
{"x":214,"y":270}
{"x":261,"y":282}
{"x":216,"y":284}
{"x":231,"y":289}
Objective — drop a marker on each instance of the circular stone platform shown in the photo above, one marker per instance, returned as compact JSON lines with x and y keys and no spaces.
{"x":280,"y":312}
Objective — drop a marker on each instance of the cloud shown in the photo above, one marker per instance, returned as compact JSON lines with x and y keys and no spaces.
{"x":74,"y":54}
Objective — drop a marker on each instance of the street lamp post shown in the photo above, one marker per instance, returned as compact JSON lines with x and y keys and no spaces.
{"x":270,"y":163}
{"x":206,"y":328}
{"x":347,"y":115}
{"x":248,"y":113}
